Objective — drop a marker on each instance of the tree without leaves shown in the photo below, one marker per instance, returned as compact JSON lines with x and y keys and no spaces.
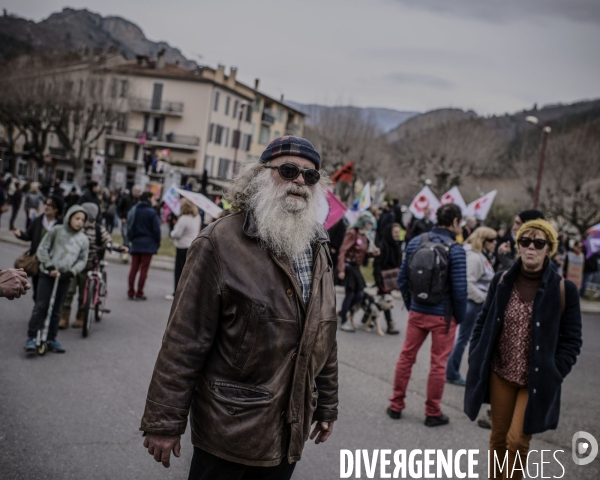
{"x":450,"y":152}
{"x":343,"y":135}
{"x":571,"y":179}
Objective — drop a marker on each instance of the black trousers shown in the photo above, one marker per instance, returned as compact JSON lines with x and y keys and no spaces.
{"x":42,"y":301}
{"x":209,"y":467}
{"x":179,"y":263}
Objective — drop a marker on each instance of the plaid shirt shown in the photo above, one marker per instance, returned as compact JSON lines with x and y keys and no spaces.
{"x":303,"y":265}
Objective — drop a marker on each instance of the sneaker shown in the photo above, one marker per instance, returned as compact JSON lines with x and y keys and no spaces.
{"x":143,"y":297}
{"x":130,"y":298}
{"x":55,"y":346}
{"x":459,"y":382}
{"x":346,"y":327}
{"x":30,"y":346}
{"x":170,"y":297}
{"x":391,"y":329}
{"x":436,"y":421}
{"x":393,"y":414}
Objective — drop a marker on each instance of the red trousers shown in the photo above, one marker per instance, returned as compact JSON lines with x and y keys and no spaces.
{"x":419,"y":326}
{"x":139,"y":262}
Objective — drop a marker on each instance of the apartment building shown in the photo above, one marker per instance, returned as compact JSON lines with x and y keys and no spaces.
{"x":271,"y":119}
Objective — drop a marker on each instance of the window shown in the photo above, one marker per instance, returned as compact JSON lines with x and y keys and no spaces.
{"x":209,"y":160}
{"x":122,"y":122}
{"x":256,"y":105}
{"x":248,"y":113}
{"x":224,"y":168}
{"x":246,"y":142}
{"x":265,"y":133}
{"x":114,"y":85}
{"x":235,"y":108}
{"x":225,"y":136}
{"x":124,"y":88}
{"x":227,"y":102}
{"x":157,"y":92}
{"x":22,"y":169}
{"x":280,"y":114}
{"x":277,"y":135}
{"x":235,"y":140}
{"x":219,"y":135}
{"x":70,"y":176}
{"x":119,"y":150}
{"x":216,"y":106}
{"x":60,"y":175}
{"x":211,"y":132}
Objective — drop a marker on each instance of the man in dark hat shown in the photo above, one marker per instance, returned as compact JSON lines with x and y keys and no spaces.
{"x":250,"y":343}
{"x":506,"y":249}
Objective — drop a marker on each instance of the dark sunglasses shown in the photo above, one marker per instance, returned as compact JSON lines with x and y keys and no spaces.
{"x":491,"y":239}
{"x":289,"y":171}
{"x":538,"y":243}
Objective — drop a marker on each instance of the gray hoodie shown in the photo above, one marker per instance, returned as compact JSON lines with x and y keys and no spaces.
{"x":64,"y":248}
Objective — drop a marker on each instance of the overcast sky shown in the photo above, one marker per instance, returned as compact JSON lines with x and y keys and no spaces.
{"x":488,"y":55}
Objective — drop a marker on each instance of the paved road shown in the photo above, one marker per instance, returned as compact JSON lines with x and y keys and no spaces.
{"x":76,"y":416}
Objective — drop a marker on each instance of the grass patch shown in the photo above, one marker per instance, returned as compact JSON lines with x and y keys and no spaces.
{"x":167,"y":248}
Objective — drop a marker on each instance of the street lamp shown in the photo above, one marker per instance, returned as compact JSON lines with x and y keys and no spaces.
{"x":243,"y":106}
{"x":545,"y":131}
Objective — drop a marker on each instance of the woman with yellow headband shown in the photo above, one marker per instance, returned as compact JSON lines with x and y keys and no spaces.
{"x":525,"y":342}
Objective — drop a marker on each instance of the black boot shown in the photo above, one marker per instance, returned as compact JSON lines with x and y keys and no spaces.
{"x":391,"y":329}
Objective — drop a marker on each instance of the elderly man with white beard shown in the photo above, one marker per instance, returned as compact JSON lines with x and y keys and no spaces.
{"x":250,"y":348}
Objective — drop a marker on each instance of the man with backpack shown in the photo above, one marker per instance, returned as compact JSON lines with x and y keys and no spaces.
{"x":433,"y":282}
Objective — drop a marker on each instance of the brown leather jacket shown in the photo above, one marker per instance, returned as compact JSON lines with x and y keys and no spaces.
{"x":255,"y":366}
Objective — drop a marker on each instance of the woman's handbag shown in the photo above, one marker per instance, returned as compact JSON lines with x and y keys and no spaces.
{"x":390,"y":279}
{"x":29,"y":263}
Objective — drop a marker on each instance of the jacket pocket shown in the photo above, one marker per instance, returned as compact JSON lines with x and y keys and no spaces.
{"x":247,"y":337}
{"x":240,"y":394}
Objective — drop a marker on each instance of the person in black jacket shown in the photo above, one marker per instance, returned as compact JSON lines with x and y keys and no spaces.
{"x":525,"y":342}
{"x":53,"y":208}
{"x":336,"y":237}
{"x":16,"y":201}
{"x":420,"y":226}
{"x":389,"y":259}
{"x":124,"y":204}
{"x":144,"y":235}
{"x":91,"y":194}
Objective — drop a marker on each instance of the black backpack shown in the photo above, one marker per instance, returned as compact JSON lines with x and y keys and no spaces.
{"x":428,"y":271}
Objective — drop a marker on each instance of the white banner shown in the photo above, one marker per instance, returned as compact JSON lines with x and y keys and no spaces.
{"x":201,"y":202}
{"x":424,"y":199}
{"x":454,"y":196}
{"x":171,"y":199}
{"x":481,"y":207}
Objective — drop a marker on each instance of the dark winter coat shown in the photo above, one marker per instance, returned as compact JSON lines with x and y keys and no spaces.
{"x":124,"y":204}
{"x":390,"y":256}
{"x":35,"y":233}
{"x":555,"y":344}
{"x":457,"y":277}
{"x":420,"y":226}
{"x":144,"y":234}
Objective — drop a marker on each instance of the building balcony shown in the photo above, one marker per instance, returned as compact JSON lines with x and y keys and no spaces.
{"x":292,"y":128}
{"x":169,"y":140}
{"x":58,"y":152}
{"x":268,"y":118}
{"x":162,"y":108}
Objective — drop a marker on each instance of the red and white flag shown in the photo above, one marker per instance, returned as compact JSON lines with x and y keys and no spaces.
{"x":424,"y":199}
{"x":481,"y":207}
{"x":453,"y":196}
{"x":331,"y":210}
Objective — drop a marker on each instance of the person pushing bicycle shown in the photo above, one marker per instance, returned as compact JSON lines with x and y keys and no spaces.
{"x":99,"y":239}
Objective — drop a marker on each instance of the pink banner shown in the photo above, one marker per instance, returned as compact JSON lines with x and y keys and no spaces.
{"x":336,"y":210}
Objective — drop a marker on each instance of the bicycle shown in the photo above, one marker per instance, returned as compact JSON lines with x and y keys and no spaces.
{"x":96,"y":291}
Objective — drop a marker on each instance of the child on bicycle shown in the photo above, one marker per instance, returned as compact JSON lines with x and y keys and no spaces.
{"x":64,"y":249}
{"x":99,"y":238}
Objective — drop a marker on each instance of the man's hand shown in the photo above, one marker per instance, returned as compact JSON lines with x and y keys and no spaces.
{"x":54,"y":273}
{"x":13,"y":283}
{"x":341,"y":275}
{"x":17,"y":232}
{"x":322,"y":431}
{"x":160,"y":446}
{"x":376,"y":252}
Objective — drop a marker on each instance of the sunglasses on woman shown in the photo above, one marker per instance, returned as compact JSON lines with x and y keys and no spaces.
{"x":289,"y":171}
{"x":538,"y":243}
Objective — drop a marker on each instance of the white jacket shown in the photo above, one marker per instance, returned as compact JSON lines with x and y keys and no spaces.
{"x":185,"y":231}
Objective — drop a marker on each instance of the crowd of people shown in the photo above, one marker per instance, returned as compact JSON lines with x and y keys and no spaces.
{"x":504,"y":294}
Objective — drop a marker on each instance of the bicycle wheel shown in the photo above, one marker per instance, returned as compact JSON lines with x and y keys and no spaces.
{"x":102,"y":298}
{"x":88,"y":310}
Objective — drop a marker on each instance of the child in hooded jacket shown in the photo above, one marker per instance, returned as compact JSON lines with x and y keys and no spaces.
{"x":99,"y":240}
{"x":63,"y":250}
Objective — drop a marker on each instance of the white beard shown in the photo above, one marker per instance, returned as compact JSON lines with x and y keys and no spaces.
{"x":286,"y":225}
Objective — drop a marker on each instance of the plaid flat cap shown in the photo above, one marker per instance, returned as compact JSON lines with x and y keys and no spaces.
{"x":295,"y":146}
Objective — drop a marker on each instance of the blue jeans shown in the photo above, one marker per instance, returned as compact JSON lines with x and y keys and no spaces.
{"x":584,"y":283}
{"x":462,"y":340}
